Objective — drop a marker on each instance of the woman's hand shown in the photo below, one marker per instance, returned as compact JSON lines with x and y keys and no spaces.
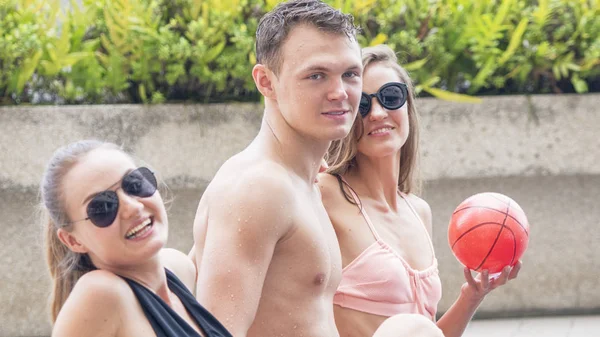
{"x":479,"y":286}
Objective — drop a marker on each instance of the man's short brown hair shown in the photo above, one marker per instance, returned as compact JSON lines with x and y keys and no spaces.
{"x":275,"y":26}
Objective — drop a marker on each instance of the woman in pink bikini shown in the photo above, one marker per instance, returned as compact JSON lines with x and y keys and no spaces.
{"x":384,"y":230}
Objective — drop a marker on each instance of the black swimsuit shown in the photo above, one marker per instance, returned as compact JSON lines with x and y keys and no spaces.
{"x":166,"y":322}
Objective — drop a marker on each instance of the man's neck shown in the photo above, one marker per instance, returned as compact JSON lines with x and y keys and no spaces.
{"x":299,"y":153}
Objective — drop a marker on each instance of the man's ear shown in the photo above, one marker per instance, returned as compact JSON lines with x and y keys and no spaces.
{"x":69,"y":240}
{"x":264,"y":78}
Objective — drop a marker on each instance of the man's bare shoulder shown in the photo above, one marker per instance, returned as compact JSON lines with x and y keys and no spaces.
{"x":241,"y":176}
{"x":331,"y":192}
{"x":181,"y":265}
{"x":260,"y":193}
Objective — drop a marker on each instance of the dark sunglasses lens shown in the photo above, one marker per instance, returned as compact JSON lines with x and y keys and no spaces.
{"x":365,"y":105}
{"x":140,"y":183}
{"x":392,"y":97}
{"x":103,"y":208}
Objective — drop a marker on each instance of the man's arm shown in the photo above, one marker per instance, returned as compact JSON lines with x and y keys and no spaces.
{"x":245,"y":220}
{"x":181,"y":265}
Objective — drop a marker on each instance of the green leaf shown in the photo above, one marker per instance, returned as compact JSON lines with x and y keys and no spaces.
{"x":145,"y":31}
{"x":541,"y":13}
{"x":51,"y":53}
{"x":347,"y":6}
{"x":27,"y":70}
{"x":452,"y":96}
{"x":142,"y":93}
{"x":515,"y":41}
{"x":214,"y":52}
{"x":195,"y":10}
{"x":430,"y":82}
{"x":483,"y":74}
{"x":556,"y":71}
{"x":72,"y":58}
{"x":379,"y":39}
{"x":63,"y":45}
{"x":579,"y":84}
{"x":501,"y":14}
{"x":415,"y":65}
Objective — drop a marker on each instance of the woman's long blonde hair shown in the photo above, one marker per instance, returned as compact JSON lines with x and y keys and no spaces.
{"x":341,"y":155}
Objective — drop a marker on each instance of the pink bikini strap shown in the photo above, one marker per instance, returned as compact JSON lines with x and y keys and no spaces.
{"x":414,"y":211}
{"x":362,"y":209}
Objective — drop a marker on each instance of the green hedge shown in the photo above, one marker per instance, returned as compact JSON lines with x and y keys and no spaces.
{"x":152,"y":51}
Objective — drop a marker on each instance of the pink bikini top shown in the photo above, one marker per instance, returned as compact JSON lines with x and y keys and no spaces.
{"x":379,"y":281}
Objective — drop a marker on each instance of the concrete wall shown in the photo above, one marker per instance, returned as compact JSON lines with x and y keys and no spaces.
{"x":542,"y":151}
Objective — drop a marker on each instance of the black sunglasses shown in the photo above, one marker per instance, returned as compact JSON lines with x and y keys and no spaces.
{"x":391,"y":96}
{"x":104,"y":206}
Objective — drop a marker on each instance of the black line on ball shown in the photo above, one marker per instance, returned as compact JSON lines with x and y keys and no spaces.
{"x":491,"y":223}
{"x":497,"y":210}
{"x":496,"y":197}
{"x":474,"y":228}
{"x":497,"y":237}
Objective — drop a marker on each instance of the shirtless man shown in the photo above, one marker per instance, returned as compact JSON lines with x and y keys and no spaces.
{"x":268,"y":258}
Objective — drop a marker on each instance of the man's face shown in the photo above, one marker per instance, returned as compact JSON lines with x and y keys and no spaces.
{"x":319,"y":84}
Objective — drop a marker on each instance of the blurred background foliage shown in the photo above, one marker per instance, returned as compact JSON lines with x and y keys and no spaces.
{"x":155,"y":51}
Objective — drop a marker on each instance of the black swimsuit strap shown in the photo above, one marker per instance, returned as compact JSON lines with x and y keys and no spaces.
{"x":165,"y":321}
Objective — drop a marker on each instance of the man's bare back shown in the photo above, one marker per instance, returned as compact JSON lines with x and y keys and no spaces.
{"x":288,"y":264}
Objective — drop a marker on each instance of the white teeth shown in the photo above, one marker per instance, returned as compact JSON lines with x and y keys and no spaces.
{"x":335,"y":113}
{"x":132,"y":232}
{"x":382,"y":130}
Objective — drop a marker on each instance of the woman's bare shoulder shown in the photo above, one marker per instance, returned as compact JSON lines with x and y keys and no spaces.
{"x":94,"y":305}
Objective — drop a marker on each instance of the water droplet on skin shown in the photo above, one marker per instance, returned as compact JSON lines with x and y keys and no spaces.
{"x":295,"y":326}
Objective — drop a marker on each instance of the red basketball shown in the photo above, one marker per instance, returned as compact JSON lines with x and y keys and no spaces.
{"x":488,"y":231}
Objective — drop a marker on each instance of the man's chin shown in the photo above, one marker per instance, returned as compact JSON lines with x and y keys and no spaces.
{"x":340,"y":133}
